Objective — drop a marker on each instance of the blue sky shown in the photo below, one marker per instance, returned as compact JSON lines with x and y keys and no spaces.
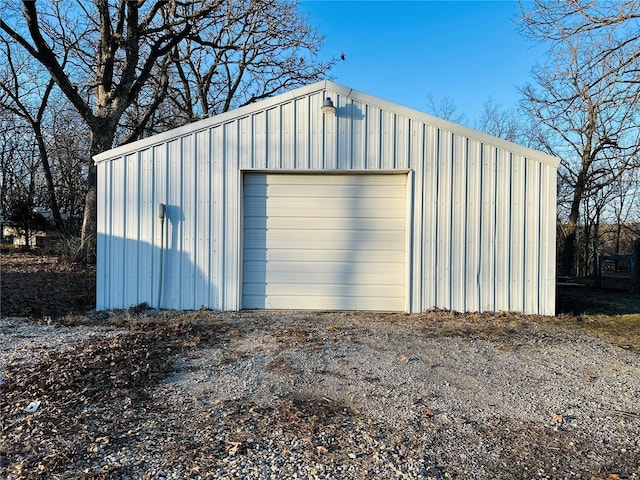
{"x":403,"y":51}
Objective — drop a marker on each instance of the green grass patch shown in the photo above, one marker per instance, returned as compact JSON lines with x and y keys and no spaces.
{"x":608,"y":314}
{"x":622,"y":330}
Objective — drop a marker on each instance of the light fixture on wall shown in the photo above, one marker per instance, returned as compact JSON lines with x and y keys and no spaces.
{"x":327,"y":107}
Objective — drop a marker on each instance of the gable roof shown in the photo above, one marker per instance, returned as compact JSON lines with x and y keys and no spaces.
{"x":329,"y":88}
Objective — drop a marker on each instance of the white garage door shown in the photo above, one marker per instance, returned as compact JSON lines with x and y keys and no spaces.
{"x":324,"y":242}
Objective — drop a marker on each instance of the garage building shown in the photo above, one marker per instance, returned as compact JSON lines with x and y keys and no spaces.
{"x":326,"y":198}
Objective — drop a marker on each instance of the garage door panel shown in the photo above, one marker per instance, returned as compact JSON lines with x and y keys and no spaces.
{"x":288,"y":302}
{"x":324,"y":241}
{"x":325,"y":179}
{"x":301,"y":206}
{"x":315,"y":278}
{"x":356,"y":240}
{"x":314,"y":273}
{"x":323,"y":223}
{"x":324,"y":289}
{"x":328,"y":211}
{"x":286,"y":267}
{"x":322,"y":191}
{"x":319,"y":255}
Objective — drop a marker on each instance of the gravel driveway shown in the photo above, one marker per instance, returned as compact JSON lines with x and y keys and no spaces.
{"x":322,"y":395}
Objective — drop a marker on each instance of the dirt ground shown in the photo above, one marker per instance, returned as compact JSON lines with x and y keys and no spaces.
{"x":42,"y":286}
{"x":111,"y":415}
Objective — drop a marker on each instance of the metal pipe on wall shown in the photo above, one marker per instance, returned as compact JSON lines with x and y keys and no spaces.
{"x":162,"y":209}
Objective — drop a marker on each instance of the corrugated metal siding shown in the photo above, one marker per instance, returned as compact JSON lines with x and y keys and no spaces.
{"x":483,"y":226}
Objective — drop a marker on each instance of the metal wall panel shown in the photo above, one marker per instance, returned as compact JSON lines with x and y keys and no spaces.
{"x":158,"y":236}
{"x":517,"y":233}
{"x":547,"y":279}
{"x":428,"y":223}
{"x":187,"y":221}
{"x":131,"y":219}
{"x":444,"y":215}
{"x":482,"y":232}
{"x":330,"y":143}
{"x":358,"y":145}
{"x":416,"y":196}
{"x":401,"y":156}
{"x":233,"y":215}
{"x":103,"y":261}
{"x":488,"y":228}
{"x":344,"y":134}
{"x":458,"y":223}
{"x":274,"y":138}
{"x":473,"y":207}
{"x":316,"y":131}
{"x":174,"y":247}
{"x":203,"y":288}
{"x":503,"y":221}
{"x":148,"y":222}
{"x":117,"y":237}
{"x":532,"y":238}
{"x":218,"y":216}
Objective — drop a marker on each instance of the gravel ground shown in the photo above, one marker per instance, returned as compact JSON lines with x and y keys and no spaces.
{"x":318,"y":395}
{"x":22,"y":341}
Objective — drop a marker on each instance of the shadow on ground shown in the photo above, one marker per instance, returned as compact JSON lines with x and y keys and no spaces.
{"x":36,"y":285}
{"x":582,"y":299}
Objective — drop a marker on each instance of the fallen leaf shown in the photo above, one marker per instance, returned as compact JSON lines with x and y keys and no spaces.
{"x":234,"y":447}
{"x":426,"y":413}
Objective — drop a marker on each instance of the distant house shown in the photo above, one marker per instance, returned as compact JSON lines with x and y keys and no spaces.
{"x":37,"y":238}
{"x":327,"y":198}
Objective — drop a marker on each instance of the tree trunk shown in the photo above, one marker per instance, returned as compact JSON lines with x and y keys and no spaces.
{"x":567,"y":264}
{"x":88,"y":240}
{"x":636,"y":258}
{"x":101,"y":140}
{"x":44,"y":161}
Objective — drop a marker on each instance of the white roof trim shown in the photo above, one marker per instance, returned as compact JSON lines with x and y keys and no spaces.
{"x":333,"y":88}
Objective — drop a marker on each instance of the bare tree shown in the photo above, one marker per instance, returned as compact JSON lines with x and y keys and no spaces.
{"x":112,"y":49}
{"x":446,"y":109}
{"x":623,"y":211}
{"x":20,"y":177}
{"x":116,"y":52}
{"x":25,"y":93}
{"x":9,"y":146}
{"x":67,"y":141}
{"x":613,"y":24}
{"x":247,"y":52}
{"x":503,"y":123}
{"x":585,"y":102}
{"x":28,"y":96}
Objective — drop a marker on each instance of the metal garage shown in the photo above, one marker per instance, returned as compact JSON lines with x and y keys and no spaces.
{"x":324,"y":242}
{"x":326,"y":198}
